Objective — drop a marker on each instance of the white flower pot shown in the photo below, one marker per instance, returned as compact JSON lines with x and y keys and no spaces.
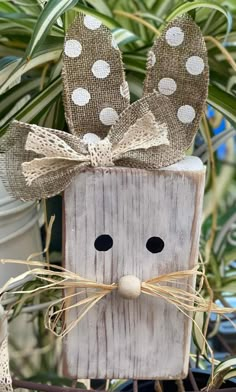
{"x":19,"y":233}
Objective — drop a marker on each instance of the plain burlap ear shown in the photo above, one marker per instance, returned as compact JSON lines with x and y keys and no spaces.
{"x":178,"y":68}
{"x":95,"y":90}
{"x":13,"y":154}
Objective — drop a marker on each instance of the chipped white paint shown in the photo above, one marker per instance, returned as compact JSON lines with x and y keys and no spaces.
{"x":144,"y":338}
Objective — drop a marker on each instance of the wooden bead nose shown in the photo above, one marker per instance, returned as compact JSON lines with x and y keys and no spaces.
{"x":129,"y":287}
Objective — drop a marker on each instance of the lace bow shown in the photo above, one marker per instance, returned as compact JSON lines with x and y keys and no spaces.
{"x":58,"y":155}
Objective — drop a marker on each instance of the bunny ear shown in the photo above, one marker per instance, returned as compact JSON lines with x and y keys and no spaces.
{"x":178,"y":68}
{"x":95,"y":90}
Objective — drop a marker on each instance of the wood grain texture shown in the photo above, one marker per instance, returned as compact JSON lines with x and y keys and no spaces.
{"x":144,"y":338}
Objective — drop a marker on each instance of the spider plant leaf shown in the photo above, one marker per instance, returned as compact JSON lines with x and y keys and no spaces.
{"x":105,"y":19}
{"x":37,"y":106}
{"x":100,"y":6}
{"x":123,"y":36}
{"x":52,"y":11}
{"x":223,"y":102}
{"x":20,"y":67}
{"x":189,"y":6}
{"x":12,"y":96}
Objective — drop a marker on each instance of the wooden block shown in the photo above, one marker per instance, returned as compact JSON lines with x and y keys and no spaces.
{"x":144,"y":338}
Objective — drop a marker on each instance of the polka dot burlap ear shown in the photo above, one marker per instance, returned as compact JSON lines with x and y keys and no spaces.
{"x":95,"y":90}
{"x":178,"y":68}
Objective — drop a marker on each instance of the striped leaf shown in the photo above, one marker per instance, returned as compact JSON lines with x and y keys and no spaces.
{"x":21,"y":67}
{"x":123,"y":36}
{"x":37,"y":106}
{"x":52,"y":11}
{"x":223,"y":102}
{"x":106,"y":20}
{"x":12,"y":96}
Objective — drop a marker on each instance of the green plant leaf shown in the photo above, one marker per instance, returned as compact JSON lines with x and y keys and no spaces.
{"x":106,"y":20}
{"x":31,"y":7}
{"x":223,"y":102}
{"x":23,"y":20}
{"x":230,"y":374}
{"x":23,"y":66}
{"x":123,"y":36}
{"x":38,"y":105}
{"x":7,"y":65}
{"x":6,"y":6}
{"x":189,"y":6}
{"x":198,"y":327}
{"x":217,"y":141}
{"x":226,"y":364}
{"x":100,"y":6}
{"x":49,"y":15}
{"x":12,"y":96}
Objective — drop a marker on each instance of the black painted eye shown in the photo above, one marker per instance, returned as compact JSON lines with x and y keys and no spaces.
{"x":103,"y":242}
{"x":155,"y":244}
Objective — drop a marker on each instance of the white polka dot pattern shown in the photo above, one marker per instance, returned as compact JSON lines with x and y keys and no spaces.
{"x":174,"y":36}
{"x":91,"y":138}
{"x":108,"y":116}
{"x":101,"y":69}
{"x":195,"y":65}
{"x":167,"y":86}
{"x":80,"y":96}
{"x":186,"y":114}
{"x":91,"y":23}
{"x":73,"y":48}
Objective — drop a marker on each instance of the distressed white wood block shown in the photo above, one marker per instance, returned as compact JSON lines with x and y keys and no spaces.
{"x":144,"y":338}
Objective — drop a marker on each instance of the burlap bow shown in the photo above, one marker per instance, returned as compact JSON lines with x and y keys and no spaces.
{"x":143,"y":134}
{"x":41,"y":162}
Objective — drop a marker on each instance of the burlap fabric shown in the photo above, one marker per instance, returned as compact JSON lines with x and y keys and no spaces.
{"x":97,"y":103}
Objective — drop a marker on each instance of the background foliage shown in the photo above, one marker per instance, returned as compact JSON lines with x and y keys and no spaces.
{"x":31,"y":41}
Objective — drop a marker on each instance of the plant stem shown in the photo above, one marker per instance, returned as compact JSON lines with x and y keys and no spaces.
{"x":214,"y":202}
{"x":228,"y":56}
{"x":137,"y":19}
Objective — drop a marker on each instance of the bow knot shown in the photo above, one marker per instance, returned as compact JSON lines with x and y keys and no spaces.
{"x":101,"y":153}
